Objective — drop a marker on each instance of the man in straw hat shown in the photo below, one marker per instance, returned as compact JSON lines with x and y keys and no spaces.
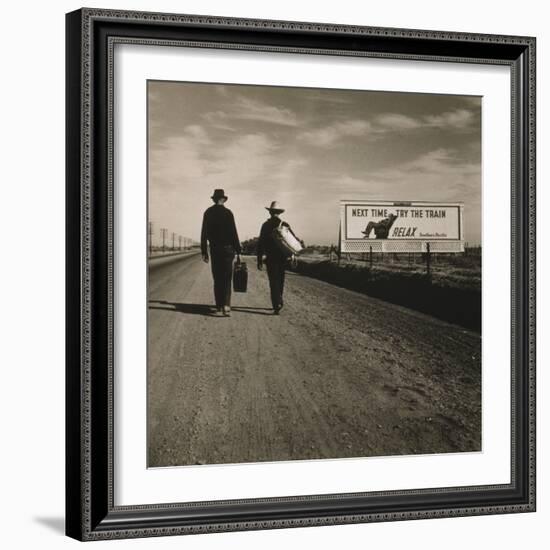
{"x":220,"y":232}
{"x":275,"y":258}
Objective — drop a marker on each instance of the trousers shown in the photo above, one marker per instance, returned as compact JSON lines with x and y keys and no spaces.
{"x":221,"y":262}
{"x":276,"y":275}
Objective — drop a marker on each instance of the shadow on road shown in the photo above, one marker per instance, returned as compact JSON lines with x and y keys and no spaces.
{"x":254,"y":310}
{"x":202,"y":309}
{"x":178,"y":307}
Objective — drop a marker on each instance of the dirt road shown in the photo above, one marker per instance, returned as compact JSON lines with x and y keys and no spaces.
{"x":337,"y":374}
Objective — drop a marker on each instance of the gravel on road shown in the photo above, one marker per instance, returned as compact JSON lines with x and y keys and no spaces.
{"x":337,"y":374}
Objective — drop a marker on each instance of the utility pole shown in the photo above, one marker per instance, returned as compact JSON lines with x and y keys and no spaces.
{"x":173,"y":237}
{"x":163,"y":231}
{"x":179,"y":239}
{"x":150,"y":238}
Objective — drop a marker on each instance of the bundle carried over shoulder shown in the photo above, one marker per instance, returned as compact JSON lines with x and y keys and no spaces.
{"x":286,"y":241}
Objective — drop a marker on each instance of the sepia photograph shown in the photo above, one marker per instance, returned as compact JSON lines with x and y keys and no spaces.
{"x":314,"y":273}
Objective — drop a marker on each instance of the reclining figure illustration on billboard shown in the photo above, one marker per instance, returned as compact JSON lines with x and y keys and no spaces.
{"x":381,"y":228}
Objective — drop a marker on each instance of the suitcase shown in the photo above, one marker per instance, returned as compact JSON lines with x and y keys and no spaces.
{"x":240,"y":276}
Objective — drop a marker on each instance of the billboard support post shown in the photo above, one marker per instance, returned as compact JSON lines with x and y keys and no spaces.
{"x":370,"y":257}
{"x":428,"y":260}
{"x":339,"y":252}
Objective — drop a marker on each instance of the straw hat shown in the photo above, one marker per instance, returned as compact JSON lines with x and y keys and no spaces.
{"x":275,"y":208}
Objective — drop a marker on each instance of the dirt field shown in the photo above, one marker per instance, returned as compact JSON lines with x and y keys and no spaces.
{"x":460,"y":270}
{"x":338,"y":374}
{"x":452,"y":291}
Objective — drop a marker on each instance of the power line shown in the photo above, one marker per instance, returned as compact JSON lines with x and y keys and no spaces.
{"x":183,"y":243}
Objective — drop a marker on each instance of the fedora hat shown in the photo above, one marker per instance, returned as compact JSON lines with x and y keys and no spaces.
{"x":218,"y":194}
{"x":275,"y":208}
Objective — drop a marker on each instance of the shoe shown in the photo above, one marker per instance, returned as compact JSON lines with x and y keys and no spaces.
{"x":227,"y":311}
{"x":276,"y":310}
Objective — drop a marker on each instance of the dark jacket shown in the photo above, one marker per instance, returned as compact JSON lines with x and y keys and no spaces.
{"x":218,"y":229}
{"x":266,"y":244}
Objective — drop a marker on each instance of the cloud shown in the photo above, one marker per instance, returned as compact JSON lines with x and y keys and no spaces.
{"x":263,"y":148}
{"x":178,"y":158}
{"x":253,"y":110}
{"x":333,"y":133}
{"x":437,"y":175}
{"x":256,"y":110}
{"x":197,"y":134}
{"x":180,"y":161}
{"x":285,"y":173}
{"x":458,"y":119}
{"x":253,"y":168}
{"x":330,"y":97}
{"x":395,"y":121}
{"x":385,"y":124}
{"x":241,"y":161}
{"x":442,"y":162}
{"x":435,"y":163}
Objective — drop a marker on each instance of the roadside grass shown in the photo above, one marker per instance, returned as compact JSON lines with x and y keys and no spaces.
{"x":452,"y":292}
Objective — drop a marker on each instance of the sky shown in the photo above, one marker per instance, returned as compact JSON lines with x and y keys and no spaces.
{"x":307,"y":149}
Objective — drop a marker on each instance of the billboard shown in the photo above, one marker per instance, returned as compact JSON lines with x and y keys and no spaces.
{"x":406,"y":226}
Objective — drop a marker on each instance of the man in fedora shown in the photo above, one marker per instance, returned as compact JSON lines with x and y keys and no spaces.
{"x":220,"y":232}
{"x":275,"y":258}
